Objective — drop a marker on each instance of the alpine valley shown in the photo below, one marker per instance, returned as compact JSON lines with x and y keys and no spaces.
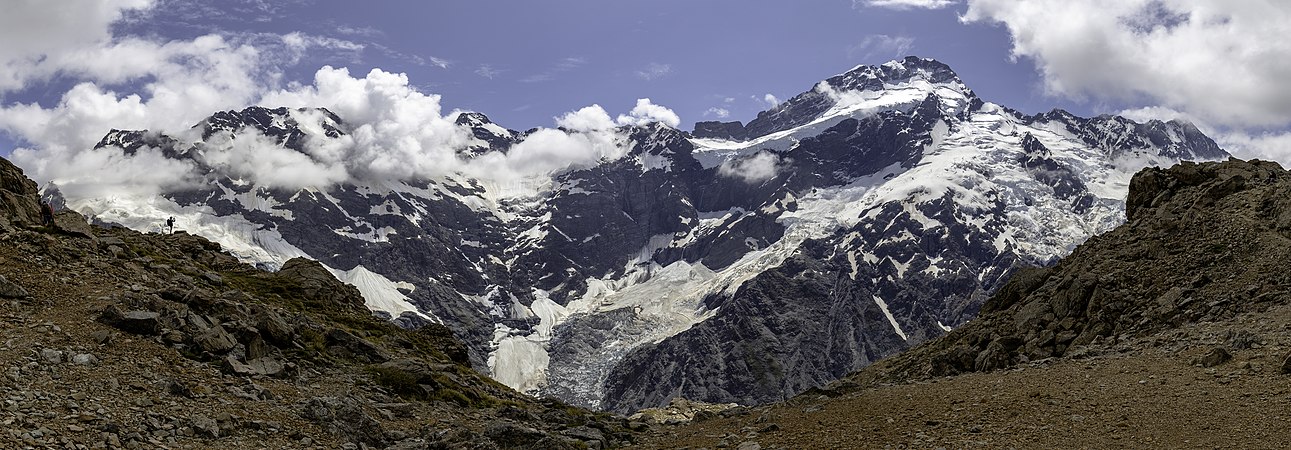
{"x":735,"y":263}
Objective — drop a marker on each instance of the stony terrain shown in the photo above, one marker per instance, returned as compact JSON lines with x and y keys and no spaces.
{"x":114,"y":339}
{"x":1171,"y":331}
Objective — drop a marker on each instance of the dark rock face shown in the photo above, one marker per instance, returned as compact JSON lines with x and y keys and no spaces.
{"x":19,"y":196}
{"x":1203,"y":242}
{"x":731,"y":131}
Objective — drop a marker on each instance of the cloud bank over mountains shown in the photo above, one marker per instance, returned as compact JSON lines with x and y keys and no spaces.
{"x":396,"y":132}
{"x":1222,"y":64}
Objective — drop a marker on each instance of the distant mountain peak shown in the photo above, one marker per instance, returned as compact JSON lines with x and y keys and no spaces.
{"x":908,"y":80}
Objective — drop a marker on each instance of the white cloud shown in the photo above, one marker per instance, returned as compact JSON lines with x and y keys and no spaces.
{"x":903,"y":4}
{"x":1271,"y":146}
{"x":654,"y":71}
{"x":33,"y":31}
{"x":1155,"y":113}
{"x":252,"y":156}
{"x":488,"y":71}
{"x":881,"y":45}
{"x":720,"y":113}
{"x":395,"y":131}
{"x":770,"y":100}
{"x":1225,"y":62}
{"x":590,"y":118}
{"x":753,"y":169}
{"x":440,"y":62}
{"x":647,"y":112}
{"x":1262,"y":144}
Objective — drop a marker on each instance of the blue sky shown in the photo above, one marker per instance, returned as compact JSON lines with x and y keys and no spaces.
{"x":70,"y":71}
{"x":525,"y":62}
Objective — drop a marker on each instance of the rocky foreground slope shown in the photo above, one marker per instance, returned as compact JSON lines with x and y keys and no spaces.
{"x":114,"y":339}
{"x":1171,"y":331}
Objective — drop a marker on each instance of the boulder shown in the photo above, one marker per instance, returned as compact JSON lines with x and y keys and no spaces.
{"x":9,"y":289}
{"x":266,"y":366}
{"x":343,"y":344}
{"x":137,"y":322}
{"x":344,"y":416}
{"x":73,"y":223}
{"x":215,"y":340}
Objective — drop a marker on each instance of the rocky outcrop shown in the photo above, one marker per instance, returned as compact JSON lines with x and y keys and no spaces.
{"x":1203,"y":242}
{"x":730,"y":131}
{"x":19,"y":197}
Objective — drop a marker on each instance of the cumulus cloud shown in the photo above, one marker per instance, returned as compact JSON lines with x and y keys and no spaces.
{"x":770,"y":100}
{"x":251,"y":156}
{"x":753,"y":169}
{"x":590,"y":118}
{"x":34,"y":30}
{"x":647,"y":112}
{"x":394,"y":130}
{"x":903,"y":4}
{"x":1226,"y":62}
{"x":720,"y":113}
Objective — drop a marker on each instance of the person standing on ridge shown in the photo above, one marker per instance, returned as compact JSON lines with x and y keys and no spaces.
{"x":170,"y":223}
{"x":46,"y":214}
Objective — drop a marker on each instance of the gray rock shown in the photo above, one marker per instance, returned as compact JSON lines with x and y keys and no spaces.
{"x":274,"y":328}
{"x":511,"y":435}
{"x":591,"y":436}
{"x":749,"y":445}
{"x":215,"y":340}
{"x":73,"y":223}
{"x":341,"y":343}
{"x":1217,"y":356}
{"x":51,"y":356}
{"x":267,"y":366}
{"x":137,"y":322}
{"x":85,"y":359}
{"x":214,"y":278}
{"x":344,"y":416}
{"x":205,"y":426}
{"x":9,"y":289}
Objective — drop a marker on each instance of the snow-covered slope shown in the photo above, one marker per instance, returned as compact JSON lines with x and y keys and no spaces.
{"x":870,"y":213}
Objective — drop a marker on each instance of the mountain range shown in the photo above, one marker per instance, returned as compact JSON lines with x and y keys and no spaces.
{"x":735,"y":263}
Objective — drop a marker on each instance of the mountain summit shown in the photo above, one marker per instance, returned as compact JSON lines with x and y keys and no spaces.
{"x":873,"y":212}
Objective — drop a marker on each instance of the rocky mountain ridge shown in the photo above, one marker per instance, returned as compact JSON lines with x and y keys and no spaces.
{"x":890,"y":200}
{"x":111,"y":338}
{"x":1170,"y":330}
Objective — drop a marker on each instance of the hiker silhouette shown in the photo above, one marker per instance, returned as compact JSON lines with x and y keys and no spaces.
{"x":46,"y":214}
